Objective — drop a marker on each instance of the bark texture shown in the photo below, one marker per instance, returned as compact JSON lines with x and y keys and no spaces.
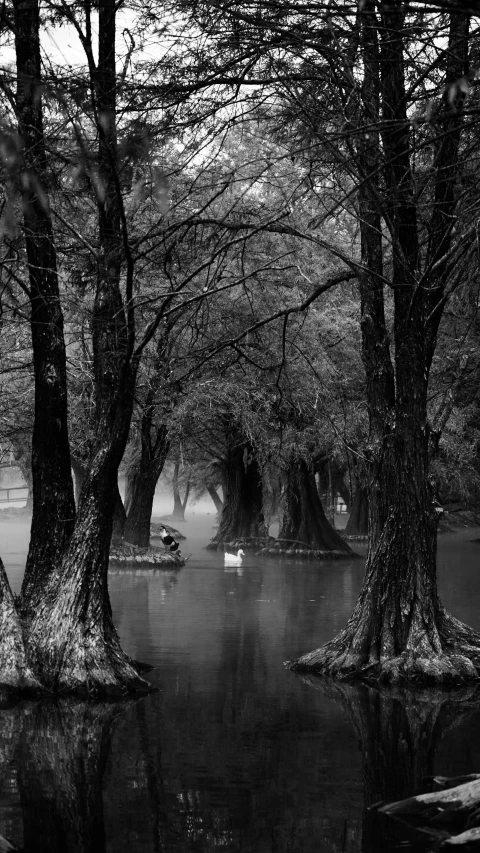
{"x":53,"y":503}
{"x":15,"y":671}
{"x":399,"y":629}
{"x":242,"y":515}
{"x":304,"y":520}
{"x":72,"y":642}
{"x":143,"y":481}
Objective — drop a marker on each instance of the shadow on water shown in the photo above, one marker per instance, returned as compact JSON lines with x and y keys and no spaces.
{"x":399,"y":733}
{"x":232,"y":751}
{"x":52,"y":764}
{"x":73,"y":774}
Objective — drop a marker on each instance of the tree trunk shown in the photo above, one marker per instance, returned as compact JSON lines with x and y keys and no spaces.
{"x":119,"y":516}
{"x":217,"y":501}
{"x":143,"y":481}
{"x":15,"y":672}
{"x":72,"y":643}
{"x":131,"y":479}
{"x":304,"y":519}
{"x":399,"y":630}
{"x":357,"y":524}
{"x":137,"y":527}
{"x":78,"y":478}
{"x":242,"y":515}
{"x":53,"y":502}
{"x":331,"y":475}
{"x":179,"y":504}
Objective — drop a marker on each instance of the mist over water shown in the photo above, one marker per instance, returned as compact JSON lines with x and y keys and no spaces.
{"x":232,"y":751}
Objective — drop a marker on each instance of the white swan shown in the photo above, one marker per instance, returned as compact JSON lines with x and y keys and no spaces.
{"x":234,"y":559}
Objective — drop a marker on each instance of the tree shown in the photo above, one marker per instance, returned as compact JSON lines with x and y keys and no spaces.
{"x":304,"y":520}
{"x":53,"y":503}
{"x":179,"y":503}
{"x":374,"y":104}
{"x":242,"y":514}
{"x":409,"y":636}
{"x":71,"y":641}
{"x":147,"y":464}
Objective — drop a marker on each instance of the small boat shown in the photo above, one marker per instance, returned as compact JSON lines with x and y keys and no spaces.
{"x":234,"y":559}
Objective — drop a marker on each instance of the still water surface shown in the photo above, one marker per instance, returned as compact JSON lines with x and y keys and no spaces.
{"x":232,"y":752}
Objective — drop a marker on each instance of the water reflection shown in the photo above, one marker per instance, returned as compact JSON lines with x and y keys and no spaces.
{"x":153,"y":776}
{"x":233,"y":751}
{"x":53,"y":758}
{"x":399,"y":732}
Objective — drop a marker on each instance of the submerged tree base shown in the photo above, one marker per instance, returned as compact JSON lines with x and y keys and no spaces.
{"x":247,"y":543}
{"x":447,"y":653}
{"x":125,"y":554}
{"x":295,"y":548}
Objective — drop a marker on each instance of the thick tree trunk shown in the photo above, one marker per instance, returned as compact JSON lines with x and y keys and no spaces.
{"x":137,"y":527}
{"x":72,"y":643}
{"x":242,"y":515}
{"x":357,"y":524}
{"x":304,"y":520}
{"x":119,"y":514}
{"x":144,"y":480}
{"x":399,"y":630}
{"x":53,"y":502}
{"x":15,"y":672}
{"x":409,"y":636}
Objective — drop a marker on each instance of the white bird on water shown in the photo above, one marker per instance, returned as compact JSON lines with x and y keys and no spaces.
{"x":234,"y":559}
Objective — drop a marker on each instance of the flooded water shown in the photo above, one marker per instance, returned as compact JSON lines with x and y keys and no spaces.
{"x":233,"y":752}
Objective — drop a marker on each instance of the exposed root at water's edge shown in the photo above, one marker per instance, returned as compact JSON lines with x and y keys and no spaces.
{"x":455,"y":660}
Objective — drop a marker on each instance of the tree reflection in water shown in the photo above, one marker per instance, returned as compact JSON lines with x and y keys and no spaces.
{"x":55,"y":754}
{"x":157,"y":774}
{"x":398,"y":731}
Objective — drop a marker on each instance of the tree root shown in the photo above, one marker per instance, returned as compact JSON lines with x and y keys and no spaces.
{"x":125,"y":554}
{"x":16,"y":675}
{"x":457,"y":661}
{"x":83,"y":659}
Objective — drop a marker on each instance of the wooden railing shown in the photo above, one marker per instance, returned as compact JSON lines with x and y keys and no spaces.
{"x":16,"y":493}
